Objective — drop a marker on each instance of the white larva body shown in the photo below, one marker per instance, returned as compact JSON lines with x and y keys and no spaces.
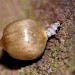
{"x":52,"y":29}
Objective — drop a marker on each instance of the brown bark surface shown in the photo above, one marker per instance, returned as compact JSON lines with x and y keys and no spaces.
{"x":59,"y":56}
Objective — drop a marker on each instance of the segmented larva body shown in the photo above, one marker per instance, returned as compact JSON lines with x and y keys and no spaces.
{"x":52,"y":29}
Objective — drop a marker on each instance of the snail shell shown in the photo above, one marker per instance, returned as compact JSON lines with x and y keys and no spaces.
{"x":24,"y":39}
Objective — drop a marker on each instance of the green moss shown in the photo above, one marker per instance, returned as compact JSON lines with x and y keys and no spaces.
{"x":28,"y":74}
{"x":34,"y":72}
{"x":70,"y":67}
{"x":68,"y":43}
{"x":54,"y":49}
{"x":55,"y":65}
{"x":49,"y":54}
{"x":55,"y":52}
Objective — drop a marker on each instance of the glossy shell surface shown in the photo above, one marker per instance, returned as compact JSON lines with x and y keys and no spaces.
{"x":24,"y":39}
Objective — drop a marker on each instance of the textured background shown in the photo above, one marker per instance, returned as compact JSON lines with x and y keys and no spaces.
{"x":59,"y":56}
